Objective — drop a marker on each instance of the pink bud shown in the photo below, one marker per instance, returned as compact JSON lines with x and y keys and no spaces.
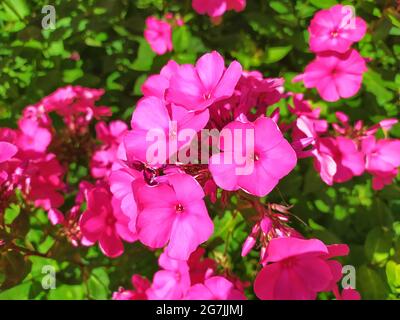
{"x":248,"y":245}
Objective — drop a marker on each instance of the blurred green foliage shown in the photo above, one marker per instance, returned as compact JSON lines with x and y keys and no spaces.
{"x":270,"y":36}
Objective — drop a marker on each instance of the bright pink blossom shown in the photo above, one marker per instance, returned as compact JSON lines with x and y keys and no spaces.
{"x":335,"y":29}
{"x":216,"y":8}
{"x":214,"y":288}
{"x":197,"y":87}
{"x":297,"y":269}
{"x":382,"y":160}
{"x":158,"y":34}
{"x":156,"y":85}
{"x":103,"y":222}
{"x":269,"y":158}
{"x":335,"y":75}
{"x":111,"y":136}
{"x":170,"y":283}
{"x":163,"y":130}
{"x":32,"y":136}
{"x":7,"y":151}
{"x":173,"y":214}
{"x":140,"y":285}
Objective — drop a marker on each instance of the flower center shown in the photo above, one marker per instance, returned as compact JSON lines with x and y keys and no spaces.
{"x":207,"y":96}
{"x":334,"y":34}
{"x":179,"y":208}
{"x":110,"y":220}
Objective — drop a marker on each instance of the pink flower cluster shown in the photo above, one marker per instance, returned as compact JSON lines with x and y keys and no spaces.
{"x":348,"y":150}
{"x":40,"y":153}
{"x":338,"y":69}
{"x":195,"y":279}
{"x":164,"y":200}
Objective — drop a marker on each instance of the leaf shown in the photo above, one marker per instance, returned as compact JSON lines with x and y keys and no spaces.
{"x":275,"y":54}
{"x":376,"y":85}
{"x":181,"y":38}
{"x":14,"y":267}
{"x":377,"y":246}
{"x":393,"y":275}
{"x":19,"y":292}
{"x":145,"y":56}
{"x":98,"y":284}
{"x":370,"y":283}
{"x":67,"y":292}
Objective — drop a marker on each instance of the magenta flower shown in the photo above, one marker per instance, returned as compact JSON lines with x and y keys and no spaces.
{"x":166,"y":126}
{"x":32,"y":137}
{"x":335,"y":75}
{"x":140,"y":285}
{"x":382,"y":160}
{"x":173,"y":214}
{"x":170,"y":283}
{"x":214,"y":288}
{"x":157,"y":84}
{"x":217,"y":8}
{"x":197,"y":87}
{"x":103,"y":158}
{"x":297,"y":269}
{"x":344,"y":152}
{"x":7,"y":151}
{"x":268,"y":159}
{"x":158,"y":34}
{"x":335,"y":29}
{"x":102,"y":222}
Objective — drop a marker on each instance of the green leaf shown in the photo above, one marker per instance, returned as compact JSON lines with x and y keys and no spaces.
{"x":145,"y":56}
{"x":393,"y":275}
{"x":370,"y":283}
{"x":19,"y":292}
{"x":98,"y":284}
{"x":376,"y":85}
{"x":181,"y":39}
{"x":275,"y":54}
{"x":67,"y":292}
{"x":377,"y":246}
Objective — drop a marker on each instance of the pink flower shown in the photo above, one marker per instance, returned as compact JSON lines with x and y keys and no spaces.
{"x":170,"y":283}
{"x":7,"y":151}
{"x":344,"y":152}
{"x":349,"y":294}
{"x":156,"y":85}
{"x":216,"y":8}
{"x":200,"y":268}
{"x":297,"y":269}
{"x":214,"y":288}
{"x":382,"y":160}
{"x":213,"y":8}
{"x":102,"y":222}
{"x":173,"y":214}
{"x":158,"y":34}
{"x":197,"y":87}
{"x":140,"y":285}
{"x":335,"y":29}
{"x":335,"y":75}
{"x":166,"y":127}
{"x":103,"y":158}
{"x":268,"y":159}
{"x":32,"y":136}
{"x":237,"y":5}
